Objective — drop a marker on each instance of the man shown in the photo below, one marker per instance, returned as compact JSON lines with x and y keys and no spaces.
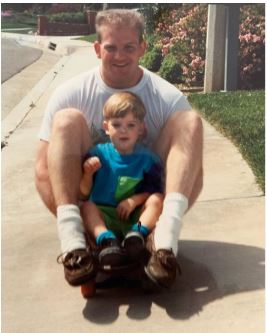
{"x":72,"y":124}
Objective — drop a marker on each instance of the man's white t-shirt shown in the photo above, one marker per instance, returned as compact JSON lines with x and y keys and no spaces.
{"x":88,"y":93}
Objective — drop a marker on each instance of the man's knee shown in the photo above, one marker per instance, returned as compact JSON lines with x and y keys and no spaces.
{"x":71,"y":124}
{"x":189,"y":123}
{"x":182,"y":129}
{"x":68,"y":120}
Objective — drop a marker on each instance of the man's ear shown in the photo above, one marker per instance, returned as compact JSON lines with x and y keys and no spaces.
{"x":97,"y":47}
{"x":143,"y":46}
{"x":142,"y":131}
{"x":105,"y":127}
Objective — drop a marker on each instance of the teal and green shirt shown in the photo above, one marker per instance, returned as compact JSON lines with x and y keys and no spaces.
{"x":122,"y":176}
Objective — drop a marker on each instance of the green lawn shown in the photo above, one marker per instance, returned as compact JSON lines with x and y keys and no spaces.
{"x":90,"y":38}
{"x":239,"y":116}
{"x":19,"y":21}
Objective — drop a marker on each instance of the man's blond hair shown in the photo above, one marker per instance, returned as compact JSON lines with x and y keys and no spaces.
{"x":124,"y":102}
{"x":120,"y":18}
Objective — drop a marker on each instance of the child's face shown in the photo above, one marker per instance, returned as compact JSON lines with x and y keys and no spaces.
{"x":124,"y":132}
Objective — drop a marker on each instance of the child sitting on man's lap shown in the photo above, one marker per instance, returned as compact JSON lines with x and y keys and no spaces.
{"x":123,"y":181}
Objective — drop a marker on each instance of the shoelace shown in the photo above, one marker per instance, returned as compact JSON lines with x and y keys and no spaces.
{"x":164,"y":259}
{"x":74,"y":260}
{"x":61,"y":258}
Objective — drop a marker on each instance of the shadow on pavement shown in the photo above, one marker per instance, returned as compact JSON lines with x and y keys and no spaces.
{"x":210,"y":271}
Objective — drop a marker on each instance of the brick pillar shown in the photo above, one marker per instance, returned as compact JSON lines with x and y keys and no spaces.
{"x":91,"y":20}
{"x":42,"y":25}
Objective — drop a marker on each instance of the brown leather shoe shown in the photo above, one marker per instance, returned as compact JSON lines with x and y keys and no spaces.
{"x":79,"y":266}
{"x":162,"y":267}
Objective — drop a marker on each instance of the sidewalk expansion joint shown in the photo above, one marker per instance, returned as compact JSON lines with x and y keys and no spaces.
{"x":232,"y":198}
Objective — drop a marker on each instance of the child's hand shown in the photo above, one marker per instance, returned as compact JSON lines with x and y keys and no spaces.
{"x":91,"y":165}
{"x":125,"y":208}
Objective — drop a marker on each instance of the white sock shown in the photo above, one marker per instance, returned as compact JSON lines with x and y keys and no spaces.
{"x":169,"y":224}
{"x":70,"y":228}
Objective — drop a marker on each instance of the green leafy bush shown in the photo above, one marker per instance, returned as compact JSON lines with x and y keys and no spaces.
{"x":11,"y":20}
{"x":78,"y":17}
{"x":152,"y":41}
{"x":170,"y":69}
{"x":152,"y":59}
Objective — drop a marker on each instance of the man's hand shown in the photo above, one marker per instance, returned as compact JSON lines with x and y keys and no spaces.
{"x":125,"y":208}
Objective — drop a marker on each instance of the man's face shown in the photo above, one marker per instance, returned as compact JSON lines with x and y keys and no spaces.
{"x":120,"y":51}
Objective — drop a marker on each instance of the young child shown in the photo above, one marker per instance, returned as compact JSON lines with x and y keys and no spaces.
{"x":124,"y":183}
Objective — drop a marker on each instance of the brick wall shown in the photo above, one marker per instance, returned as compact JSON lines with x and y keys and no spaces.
{"x":46,"y":28}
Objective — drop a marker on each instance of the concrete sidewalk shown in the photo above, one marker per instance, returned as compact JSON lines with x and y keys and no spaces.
{"x":221,"y":248}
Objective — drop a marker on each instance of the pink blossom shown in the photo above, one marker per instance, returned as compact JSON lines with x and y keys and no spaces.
{"x":6,"y":13}
{"x":166,"y":40}
{"x":166,"y":49}
{"x":248,"y":37}
{"x":248,"y":68}
{"x":182,"y":34}
{"x":192,"y":55}
{"x":173,"y":14}
{"x":256,"y":39}
{"x":185,"y":70}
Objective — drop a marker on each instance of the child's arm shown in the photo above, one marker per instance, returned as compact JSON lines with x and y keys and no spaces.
{"x":127,"y":206}
{"x":90,"y":166}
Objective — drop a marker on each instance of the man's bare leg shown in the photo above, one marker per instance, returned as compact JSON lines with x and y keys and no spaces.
{"x":42,"y":179}
{"x":69,"y":141}
{"x":61,"y":159}
{"x":180,"y":145}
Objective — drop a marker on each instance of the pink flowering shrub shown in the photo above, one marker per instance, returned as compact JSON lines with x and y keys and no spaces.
{"x":252,"y":48}
{"x":6,"y":13}
{"x":183,"y":33}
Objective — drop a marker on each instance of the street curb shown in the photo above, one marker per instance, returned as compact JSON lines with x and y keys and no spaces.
{"x":65,"y":46}
{"x":43,"y":42}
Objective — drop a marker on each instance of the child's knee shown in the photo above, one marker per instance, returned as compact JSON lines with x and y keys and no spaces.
{"x":156,"y":200}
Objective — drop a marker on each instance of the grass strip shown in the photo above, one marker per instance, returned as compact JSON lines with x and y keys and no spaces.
{"x":239,"y":116}
{"x":89,"y":38}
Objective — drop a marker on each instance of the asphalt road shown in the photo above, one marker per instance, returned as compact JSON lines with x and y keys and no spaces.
{"x":15,"y":57}
{"x":27,"y":65}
